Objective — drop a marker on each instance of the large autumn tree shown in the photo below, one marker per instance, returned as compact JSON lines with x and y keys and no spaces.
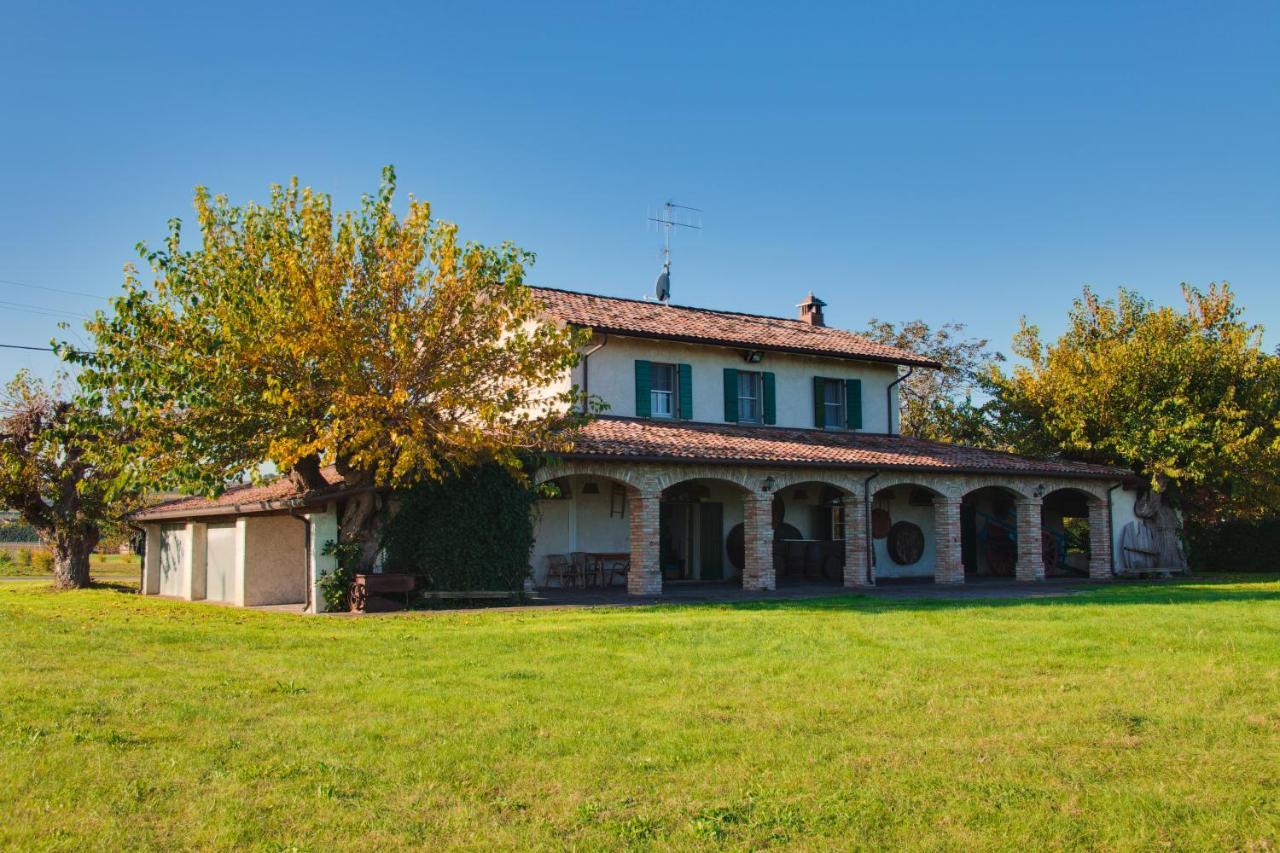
{"x":1187,"y":398}
{"x":297,"y":336}
{"x":53,"y":472}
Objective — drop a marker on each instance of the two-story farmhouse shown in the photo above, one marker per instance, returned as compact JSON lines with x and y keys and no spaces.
{"x":736,"y":448}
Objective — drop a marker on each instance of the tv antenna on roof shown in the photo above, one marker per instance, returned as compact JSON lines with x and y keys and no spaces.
{"x":668,"y":220}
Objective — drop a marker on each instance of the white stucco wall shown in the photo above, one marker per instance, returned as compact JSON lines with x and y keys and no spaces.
{"x":324,"y":529}
{"x":275,"y":570}
{"x":612,"y":378}
{"x":581,"y":523}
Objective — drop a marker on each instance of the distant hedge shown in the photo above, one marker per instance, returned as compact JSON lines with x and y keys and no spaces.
{"x":1234,"y":546}
{"x":17,"y":531}
{"x":471,"y":532}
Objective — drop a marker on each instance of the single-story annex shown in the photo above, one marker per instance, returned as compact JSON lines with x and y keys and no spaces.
{"x":736,"y":448}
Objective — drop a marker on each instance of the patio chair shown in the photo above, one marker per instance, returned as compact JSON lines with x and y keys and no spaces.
{"x":583,"y":566}
{"x":560,"y":569}
{"x":617,"y":569}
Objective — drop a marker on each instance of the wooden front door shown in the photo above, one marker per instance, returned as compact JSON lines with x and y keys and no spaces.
{"x":711,"y":540}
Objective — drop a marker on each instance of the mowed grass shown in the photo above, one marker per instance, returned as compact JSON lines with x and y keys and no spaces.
{"x":1132,"y":716}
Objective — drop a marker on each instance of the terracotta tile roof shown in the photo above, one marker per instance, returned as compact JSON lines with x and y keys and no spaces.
{"x":658,"y":441}
{"x":702,"y":325}
{"x":238,"y":500}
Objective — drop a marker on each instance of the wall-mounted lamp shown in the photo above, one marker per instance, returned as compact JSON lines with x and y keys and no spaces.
{"x":767,"y":485}
{"x":1039,"y":491}
{"x":752,"y":356}
{"x":590,"y":488}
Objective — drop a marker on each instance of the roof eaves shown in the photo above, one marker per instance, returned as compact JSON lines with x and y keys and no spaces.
{"x":913,"y":361}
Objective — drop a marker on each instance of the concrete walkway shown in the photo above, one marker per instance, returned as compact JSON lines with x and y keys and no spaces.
{"x":717,"y":593}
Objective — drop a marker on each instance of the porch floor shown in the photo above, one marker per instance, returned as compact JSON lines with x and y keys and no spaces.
{"x":730,"y":591}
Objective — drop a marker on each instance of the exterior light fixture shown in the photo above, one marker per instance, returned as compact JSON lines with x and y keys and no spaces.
{"x":590,"y":488}
{"x":752,"y":356}
{"x":1039,"y":491}
{"x":767,"y":485}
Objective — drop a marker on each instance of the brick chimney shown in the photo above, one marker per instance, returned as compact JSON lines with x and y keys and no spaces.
{"x":811,"y":310}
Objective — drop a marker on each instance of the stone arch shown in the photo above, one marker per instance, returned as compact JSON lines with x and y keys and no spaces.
{"x":748,"y":481}
{"x":618,"y":473}
{"x":905,"y":534}
{"x":993,"y":530}
{"x":1019,"y":489}
{"x":811,"y":516}
{"x":1066,"y":549}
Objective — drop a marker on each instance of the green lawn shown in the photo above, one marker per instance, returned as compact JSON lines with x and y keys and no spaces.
{"x":1125,"y":717}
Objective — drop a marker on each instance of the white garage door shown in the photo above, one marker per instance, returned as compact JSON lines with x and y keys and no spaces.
{"x":173,"y":543}
{"x":220,"y":560}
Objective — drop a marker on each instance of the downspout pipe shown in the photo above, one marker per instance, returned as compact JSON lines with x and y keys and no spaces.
{"x":306,"y":555}
{"x":888,"y":399}
{"x":586,"y":371}
{"x":1111,"y":529}
{"x":871,"y":542}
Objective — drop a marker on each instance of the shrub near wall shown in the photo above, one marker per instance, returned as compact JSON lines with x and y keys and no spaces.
{"x":470,"y":532}
{"x":1234,"y":546}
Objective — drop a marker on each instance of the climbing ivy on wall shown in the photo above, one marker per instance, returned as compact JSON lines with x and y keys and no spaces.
{"x":471,"y":531}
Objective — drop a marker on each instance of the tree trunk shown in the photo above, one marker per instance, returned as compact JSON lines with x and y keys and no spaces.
{"x":359,"y":525}
{"x":71,"y":561}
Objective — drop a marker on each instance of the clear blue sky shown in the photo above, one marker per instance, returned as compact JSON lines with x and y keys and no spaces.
{"x":970,"y":162}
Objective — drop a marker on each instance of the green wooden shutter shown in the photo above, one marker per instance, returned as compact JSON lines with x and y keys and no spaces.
{"x":686,"y":393}
{"x":819,"y":399}
{"x":730,"y":395}
{"x":770,"y":398}
{"x":711,"y":541}
{"x":644,"y":397}
{"x":853,"y":403}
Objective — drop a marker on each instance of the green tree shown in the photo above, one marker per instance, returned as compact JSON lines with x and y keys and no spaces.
{"x":1187,"y":398}
{"x":939,"y":404}
{"x":53,"y":473}
{"x":300,"y":337}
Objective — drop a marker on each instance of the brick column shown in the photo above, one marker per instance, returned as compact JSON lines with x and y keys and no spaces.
{"x":1099,"y":540}
{"x":1030,"y":565}
{"x":757,"y":529}
{"x":644,"y":577}
{"x":949,"y":568}
{"x":855,"y":543}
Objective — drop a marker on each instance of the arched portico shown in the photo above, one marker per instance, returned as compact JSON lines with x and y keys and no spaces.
{"x":810,"y":528}
{"x":1075,"y":534}
{"x":913,"y":525}
{"x":582,"y":528}
{"x":701,"y":531}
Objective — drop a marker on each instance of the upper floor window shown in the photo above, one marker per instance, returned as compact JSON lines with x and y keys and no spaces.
{"x":663,"y":395}
{"x":750,"y":397}
{"x":833,"y":403}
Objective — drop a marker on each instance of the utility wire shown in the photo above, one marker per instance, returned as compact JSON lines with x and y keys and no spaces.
{"x":38,"y":309}
{"x":52,"y":289}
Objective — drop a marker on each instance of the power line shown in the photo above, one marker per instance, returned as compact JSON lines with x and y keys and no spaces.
{"x":52,"y":289}
{"x":39,"y":309}
{"x":44,"y":349}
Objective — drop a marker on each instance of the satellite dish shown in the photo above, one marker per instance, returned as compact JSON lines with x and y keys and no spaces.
{"x":662,"y":287}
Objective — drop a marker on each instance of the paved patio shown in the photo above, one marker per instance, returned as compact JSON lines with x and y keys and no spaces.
{"x":728,"y":592}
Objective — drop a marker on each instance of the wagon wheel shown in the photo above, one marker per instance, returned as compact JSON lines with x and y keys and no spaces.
{"x":1049,"y":548}
{"x":905,"y":543}
{"x":1002,"y":556}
